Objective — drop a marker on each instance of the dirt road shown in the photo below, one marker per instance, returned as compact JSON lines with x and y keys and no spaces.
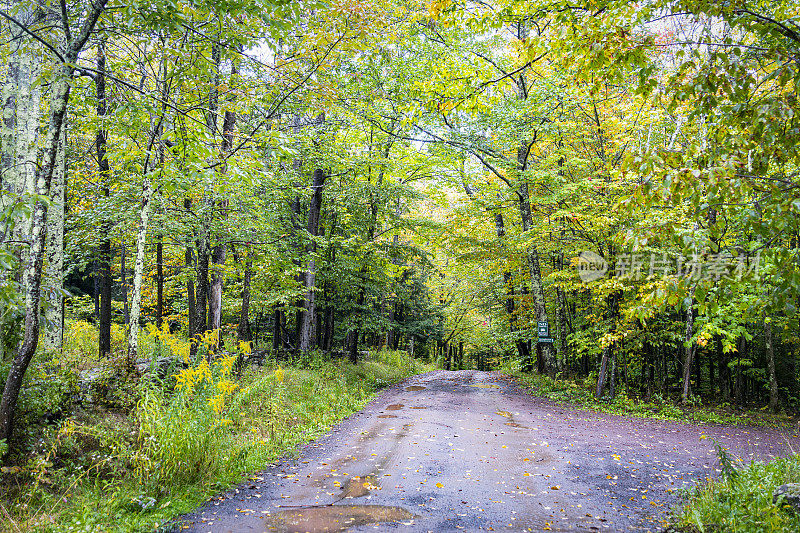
{"x":449,"y":451}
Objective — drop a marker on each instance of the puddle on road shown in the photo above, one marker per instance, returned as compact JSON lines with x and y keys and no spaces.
{"x":334,"y":518}
{"x":510,"y":422}
{"x":387,"y":416}
{"x":394,"y":407}
{"x":485,"y":386}
{"x":413,"y":388}
{"x":358,"y":486}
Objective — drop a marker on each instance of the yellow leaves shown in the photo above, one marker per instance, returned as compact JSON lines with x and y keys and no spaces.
{"x":279,"y":374}
{"x":436,"y":7}
{"x":245,"y":347}
{"x":439,"y":485}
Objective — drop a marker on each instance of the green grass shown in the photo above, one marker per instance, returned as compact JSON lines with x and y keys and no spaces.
{"x":741,"y":503}
{"x":111,"y":472}
{"x":581,"y":393}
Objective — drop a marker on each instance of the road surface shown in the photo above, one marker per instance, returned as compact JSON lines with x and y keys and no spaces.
{"x":471,"y":451}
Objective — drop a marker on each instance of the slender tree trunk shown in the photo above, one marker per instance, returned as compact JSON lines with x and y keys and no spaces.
{"x":773,"y":380}
{"x":690,"y":348}
{"x":243,"y":330}
{"x":123,"y":273}
{"x":329,"y":318}
{"x":220,"y":249}
{"x":190,"y":297}
{"x":156,"y":131}
{"x":309,"y":317}
{"x":352,"y":336}
{"x":54,"y":281}
{"x":160,"y":281}
{"x":276,"y":331}
{"x":138,"y":270}
{"x":202,"y":286}
{"x":104,"y":266}
{"x":738,"y":381}
{"x":601,"y":378}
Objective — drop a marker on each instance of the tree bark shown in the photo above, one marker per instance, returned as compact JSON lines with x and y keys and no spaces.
{"x":123,"y":274}
{"x":601,"y":378}
{"x":104,"y":266}
{"x":159,"y":281}
{"x":54,"y":281}
{"x":773,"y":380}
{"x":138,"y":269}
{"x":690,"y":349}
{"x":243,"y":330}
{"x":309,"y":317}
{"x":219,"y":251}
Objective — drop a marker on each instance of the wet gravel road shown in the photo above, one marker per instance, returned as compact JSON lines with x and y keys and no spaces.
{"x":467,"y":450}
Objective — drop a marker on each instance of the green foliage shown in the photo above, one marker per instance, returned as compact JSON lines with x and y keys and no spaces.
{"x":580,"y":393}
{"x":742,"y":502}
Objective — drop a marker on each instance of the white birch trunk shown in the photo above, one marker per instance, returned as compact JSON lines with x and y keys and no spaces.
{"x":54,"y":275}
{"x":138,"y":270}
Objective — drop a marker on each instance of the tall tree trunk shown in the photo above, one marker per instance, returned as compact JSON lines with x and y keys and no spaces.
{"x":243,"y":330}
{"x":54,"y":281}
{"x":218,"y":252}
{"x":138,"y":270}
{"x":202,"y":286}
{"x":190,"y":297}
{"x":309,"y":317}
{"x":276,"y":331}
{"x":60,"y":87}
{"x":352,"y":337}
{"x":773,"y":380}
{"x":156,"y":131}
{"x":104,"y":266}
{"x":123,"y":274}
{"x":160,"y":281}
{"x":602,"y":376}
{"x":690,"y":349}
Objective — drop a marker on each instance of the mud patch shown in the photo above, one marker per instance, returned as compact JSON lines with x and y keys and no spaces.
{"x":387,"y":416}
{"x":394,"y":407}
{"x":334,"y":518}
{"x":413,"y":388}
{"x":358,"y":486}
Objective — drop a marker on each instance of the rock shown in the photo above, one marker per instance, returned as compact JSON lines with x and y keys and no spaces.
{"x":791,"y":496}
{"x":160,"y":366}
{"x":87,"y":383}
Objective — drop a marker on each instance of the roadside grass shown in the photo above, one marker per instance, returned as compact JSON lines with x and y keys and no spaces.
{"x":195,"y":434}
{"x":580,"y":393}
{"x":741,"y":501}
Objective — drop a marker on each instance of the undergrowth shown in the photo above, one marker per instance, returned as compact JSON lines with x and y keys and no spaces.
{"x":581,"y":393}
{"x":190,"y":435}
{"x":741,"y":501}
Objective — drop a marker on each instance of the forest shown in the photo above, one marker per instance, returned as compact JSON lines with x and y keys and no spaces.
{"x":599,"y":191}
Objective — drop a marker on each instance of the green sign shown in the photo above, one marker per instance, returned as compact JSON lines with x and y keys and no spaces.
{"x":544,"y":329}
